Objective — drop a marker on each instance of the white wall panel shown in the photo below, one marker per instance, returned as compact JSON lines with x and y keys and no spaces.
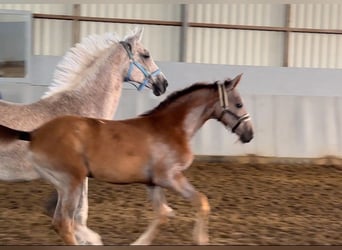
{"x":262,"y":110}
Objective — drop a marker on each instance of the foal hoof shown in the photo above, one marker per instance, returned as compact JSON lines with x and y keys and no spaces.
{"x":86,"y":236}
{"x":168,"y":211}
{"x":204,"y":242}
{"x":139,"y":242}
{"x":201,"y":239}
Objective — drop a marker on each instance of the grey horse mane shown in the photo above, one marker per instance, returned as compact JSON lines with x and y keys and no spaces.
{"x":77,"y":59}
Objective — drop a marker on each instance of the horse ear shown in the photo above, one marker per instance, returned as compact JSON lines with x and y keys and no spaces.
{"x":138,"y":33}
{"x":135,"y":36}
{"x":231,"y":84}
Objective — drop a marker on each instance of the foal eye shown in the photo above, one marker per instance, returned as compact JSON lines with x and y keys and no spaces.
{"x":239,"y":105}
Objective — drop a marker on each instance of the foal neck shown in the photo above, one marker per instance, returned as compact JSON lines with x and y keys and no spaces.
{"x":189,"y":111}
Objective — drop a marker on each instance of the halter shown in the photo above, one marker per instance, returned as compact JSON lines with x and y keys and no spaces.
{"x":223,"y":97}
{"x":133,"y":63}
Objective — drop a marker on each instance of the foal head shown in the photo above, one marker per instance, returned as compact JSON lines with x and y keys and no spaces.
{"x":231,"y":111}
{"x":142,"y":68}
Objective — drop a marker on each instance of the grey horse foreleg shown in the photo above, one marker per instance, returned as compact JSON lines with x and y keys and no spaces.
{"x":84,"y":235}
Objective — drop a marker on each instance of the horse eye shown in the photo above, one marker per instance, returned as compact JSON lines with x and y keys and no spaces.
{"x":146,"y":56}
{"x":239,"y":105}
{"x":129,"y":47}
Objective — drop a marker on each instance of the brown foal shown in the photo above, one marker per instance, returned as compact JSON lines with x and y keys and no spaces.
{"x":152,"y":149}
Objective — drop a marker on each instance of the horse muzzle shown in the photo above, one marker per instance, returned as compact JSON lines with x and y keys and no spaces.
{"x":159,"y":86}
{"x":247,"y":135}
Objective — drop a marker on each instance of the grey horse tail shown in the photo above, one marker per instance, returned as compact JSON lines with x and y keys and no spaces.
{"x":8,"y":135}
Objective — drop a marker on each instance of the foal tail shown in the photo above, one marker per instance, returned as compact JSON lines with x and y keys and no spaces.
{"x":8,"y":135}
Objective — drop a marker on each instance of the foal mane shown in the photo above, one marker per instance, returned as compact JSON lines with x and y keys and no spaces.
{"x":78,"y":59}
{"x":180,"y":93}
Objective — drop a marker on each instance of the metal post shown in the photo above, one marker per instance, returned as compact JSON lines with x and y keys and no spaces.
{"x":183,"y":32}
{"x":287,"y":35}
{"x":76,"y":23}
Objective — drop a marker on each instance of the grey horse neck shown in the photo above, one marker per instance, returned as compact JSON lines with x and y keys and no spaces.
{"x":98,"y":94}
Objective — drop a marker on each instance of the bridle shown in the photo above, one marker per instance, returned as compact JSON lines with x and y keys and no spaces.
{"x":133,"y":63}
{"x":223,"y":97}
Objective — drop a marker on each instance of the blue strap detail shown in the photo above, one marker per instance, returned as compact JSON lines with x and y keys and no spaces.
{"x":154,"y":73}
{"x":128,"y":77}
{"x":140,"y":67}
{"x":143,"y":84}
{"x":157,"y":72}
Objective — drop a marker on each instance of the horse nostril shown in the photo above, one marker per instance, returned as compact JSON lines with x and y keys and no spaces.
{"x":246,"y":137}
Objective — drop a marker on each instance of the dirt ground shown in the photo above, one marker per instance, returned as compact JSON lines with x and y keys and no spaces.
{"x":252,"y":204}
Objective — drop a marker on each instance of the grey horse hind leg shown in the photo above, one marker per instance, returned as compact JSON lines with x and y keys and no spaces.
{"x":63,"y":220}
{"x":50,"y":205}
{"x":84,"y":235}
{"x":162,"y":212}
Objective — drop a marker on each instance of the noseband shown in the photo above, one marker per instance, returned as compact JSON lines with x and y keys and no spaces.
{"x":133,"y":63}
{"x":223,"y":97}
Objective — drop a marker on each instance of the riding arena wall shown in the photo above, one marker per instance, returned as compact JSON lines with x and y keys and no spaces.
{"x":296,"y":112}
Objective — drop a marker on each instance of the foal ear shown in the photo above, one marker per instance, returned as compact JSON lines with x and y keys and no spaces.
{"x":231,"y":84}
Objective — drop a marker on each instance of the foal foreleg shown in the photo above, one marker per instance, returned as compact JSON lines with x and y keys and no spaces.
{"x":180,"y":184}
{"x":162,"y":212}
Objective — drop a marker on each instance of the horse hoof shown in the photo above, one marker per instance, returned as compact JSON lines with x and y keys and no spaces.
{"x":140,"y":243}
{"x":203,"y":241}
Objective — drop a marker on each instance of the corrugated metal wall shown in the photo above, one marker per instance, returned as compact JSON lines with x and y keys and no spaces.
{"x":204,"y":45}
{"x":163,"y":42}
{"x":316,"y":50}
{"x":239,"y":47}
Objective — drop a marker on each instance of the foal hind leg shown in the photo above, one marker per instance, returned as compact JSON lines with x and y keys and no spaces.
{"x":63,"y":219}
{"x":70,"y":216}
{"x":162,"y":212}
{"x":84,"y":235}
{"x":180,"y":184}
